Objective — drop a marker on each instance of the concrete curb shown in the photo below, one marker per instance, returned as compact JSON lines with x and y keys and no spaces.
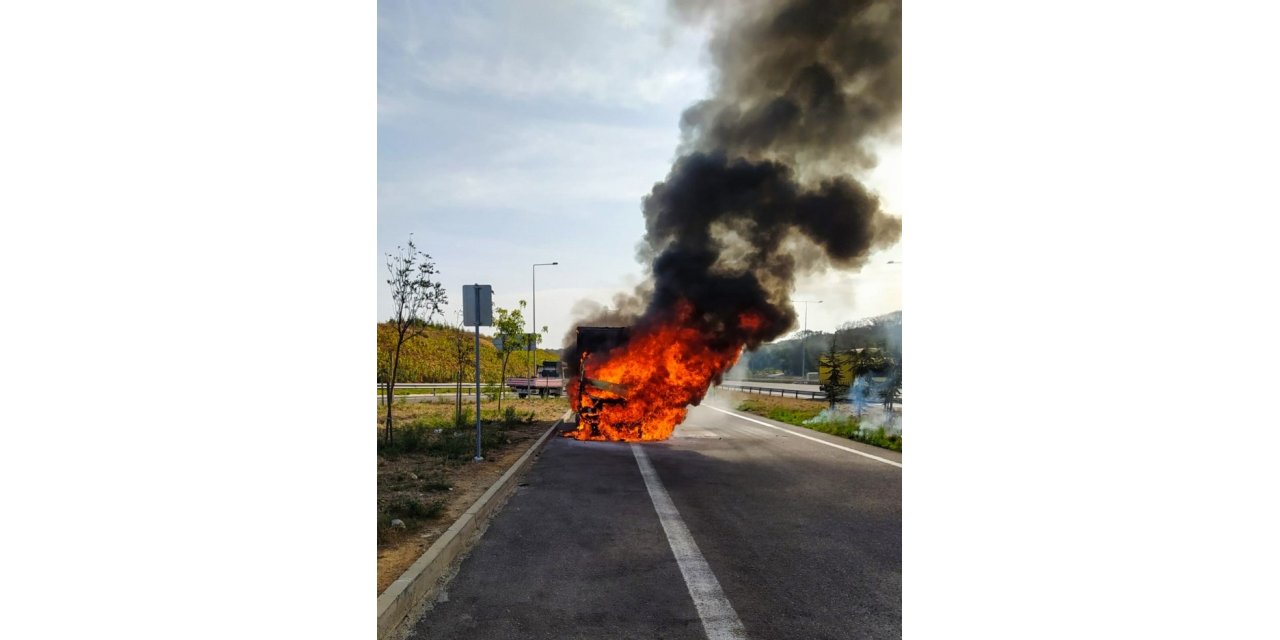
{"x":419,"y":580}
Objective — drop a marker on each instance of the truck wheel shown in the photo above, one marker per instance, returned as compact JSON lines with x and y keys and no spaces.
{"x":522,"y":395}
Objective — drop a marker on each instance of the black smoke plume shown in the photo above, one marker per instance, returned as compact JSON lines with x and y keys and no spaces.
{"x":764,"y":188}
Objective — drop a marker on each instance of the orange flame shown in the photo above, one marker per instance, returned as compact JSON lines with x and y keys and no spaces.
{"x":653,"y":378}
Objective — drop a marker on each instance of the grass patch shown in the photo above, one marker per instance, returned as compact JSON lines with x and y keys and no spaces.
{"x":414,"y":509}
{"x":781,"y":412}
{"x":441,"y":413}
{"x":851,"y":429}
{"x":842,"y":428}
{"x":430,"y":428}
{"x":448,"y":442}
{"x":436,"y":484}
{"x":796,"y":412}
{"x":411,"y":511}
{"x":388,"y":534}
{"x":881,"y":438}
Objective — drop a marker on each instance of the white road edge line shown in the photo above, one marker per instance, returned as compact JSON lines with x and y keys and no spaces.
{"x":801,"y":435}
{"x":719,"y":620}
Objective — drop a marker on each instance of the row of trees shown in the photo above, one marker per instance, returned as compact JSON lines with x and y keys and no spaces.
{"x":869,"y":350}
{"x":883,"y":333}
{"x":417,"y":298}
{"x":871,"y":373}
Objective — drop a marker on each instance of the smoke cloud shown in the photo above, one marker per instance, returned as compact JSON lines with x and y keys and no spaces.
{"x":764,"y":189}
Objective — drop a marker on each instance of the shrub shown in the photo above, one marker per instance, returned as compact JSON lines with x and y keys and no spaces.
{"x":407,"y":508}
{"x":463,"y":418}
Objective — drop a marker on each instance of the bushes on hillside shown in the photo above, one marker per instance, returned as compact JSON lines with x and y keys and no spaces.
{"x":428,"y":358}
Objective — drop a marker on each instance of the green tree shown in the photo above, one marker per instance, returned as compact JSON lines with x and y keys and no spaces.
{"x":416,"y":298}
{"x":510,"y":338}
{"x":836,"y":365}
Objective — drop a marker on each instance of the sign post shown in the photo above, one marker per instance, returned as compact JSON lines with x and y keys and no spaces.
{"x":477,"y":310}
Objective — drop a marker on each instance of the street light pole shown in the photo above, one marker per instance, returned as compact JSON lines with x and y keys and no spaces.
{"x":533,"y":347}
{"x":805,"y":338}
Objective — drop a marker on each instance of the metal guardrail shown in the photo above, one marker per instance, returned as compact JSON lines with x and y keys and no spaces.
{"x":423,"y":389}
{"x":773,"y":391}
{"x":420,"y":389}
{"x":423,"y":385}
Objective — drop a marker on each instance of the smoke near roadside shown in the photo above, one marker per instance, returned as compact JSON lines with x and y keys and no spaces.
{"x":765,"y":187}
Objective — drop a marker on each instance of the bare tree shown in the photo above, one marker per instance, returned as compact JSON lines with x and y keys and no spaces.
{"x":461,"y":352}
{"x":416,"y":299}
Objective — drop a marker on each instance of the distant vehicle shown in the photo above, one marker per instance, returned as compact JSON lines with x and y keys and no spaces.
{"x":549,"y":381}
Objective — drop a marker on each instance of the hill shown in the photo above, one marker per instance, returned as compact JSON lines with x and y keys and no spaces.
{"x":883,"y":331}
{"x":429,"y":358}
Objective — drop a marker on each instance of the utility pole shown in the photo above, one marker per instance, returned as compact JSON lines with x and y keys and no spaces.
{"x":533,"y":335}
{"x":805,"y":338}
{"x":478,"y":457}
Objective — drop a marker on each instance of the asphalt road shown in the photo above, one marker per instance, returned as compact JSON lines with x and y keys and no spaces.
{"x":753,"y":531}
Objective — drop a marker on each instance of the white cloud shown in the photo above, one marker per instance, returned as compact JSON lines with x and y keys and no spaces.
{"x":617,"y":54}
{"x":535,"y":167}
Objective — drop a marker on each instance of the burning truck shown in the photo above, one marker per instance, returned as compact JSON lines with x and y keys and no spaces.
{"x":636,"y":383}
{"x":765,"y":190}
{"x":590,"y":396}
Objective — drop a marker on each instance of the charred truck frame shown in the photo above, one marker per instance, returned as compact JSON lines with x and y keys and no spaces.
{"x":593,"y":394}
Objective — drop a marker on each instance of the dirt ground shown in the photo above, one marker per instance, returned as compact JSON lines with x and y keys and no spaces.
{"x":455,"y":484}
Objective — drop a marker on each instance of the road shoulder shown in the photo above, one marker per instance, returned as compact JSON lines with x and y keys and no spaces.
{"x":431,"y":571}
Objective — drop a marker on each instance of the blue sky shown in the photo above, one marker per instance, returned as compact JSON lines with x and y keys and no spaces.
{"x":511,"y":133}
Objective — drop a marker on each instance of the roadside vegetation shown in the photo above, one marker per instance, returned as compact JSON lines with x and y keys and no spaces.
{"x":416,"y":299}
{"x":430,"y":357}
{"x":796,"y":412}
{"x":426,"y":476}
{"x":436,"y":429}
{"x":548,"y":409}
{"x":416,"y":469}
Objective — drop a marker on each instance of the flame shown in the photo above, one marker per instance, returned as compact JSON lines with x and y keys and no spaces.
{"x":652,"y":379}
